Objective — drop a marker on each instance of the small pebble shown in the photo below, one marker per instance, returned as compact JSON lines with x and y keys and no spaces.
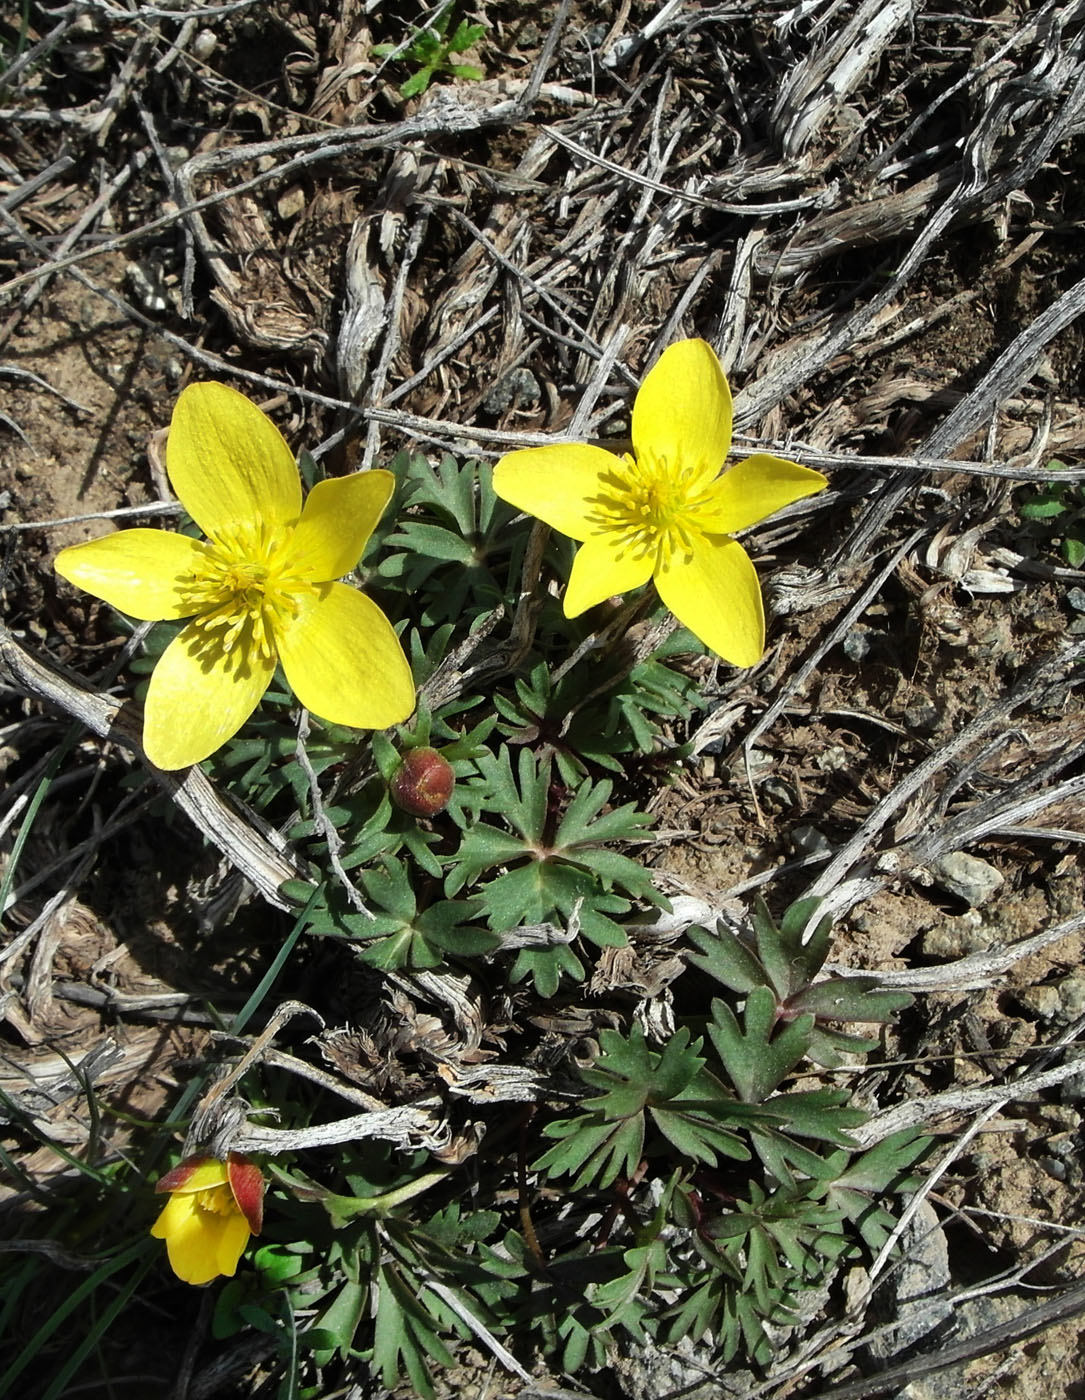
{"x":1072,"y":996}
{"x":957,"y":938}
{"x":809,"y":841}
{"x":779,"y":791}
{"x":204,"y":44}
{"x":517,"y":389}
{"x":922,"y":717}
{"x":967,"y":877}
{"x":1042,"y":1001}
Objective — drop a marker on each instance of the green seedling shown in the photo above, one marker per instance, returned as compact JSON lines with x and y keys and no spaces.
{"x":1063,"y":505}
{"x":432,"y":48}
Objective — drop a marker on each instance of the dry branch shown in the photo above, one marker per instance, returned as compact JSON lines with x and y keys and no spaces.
{"x":251,"y":846}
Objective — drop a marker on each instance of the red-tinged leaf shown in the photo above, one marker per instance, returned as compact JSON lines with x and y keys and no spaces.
{"x":247,"y":1185}
{"x":192,"y":1175}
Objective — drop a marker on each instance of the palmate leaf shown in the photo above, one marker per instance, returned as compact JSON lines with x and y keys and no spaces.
{"x":624,"y":719}
{"x":450,"y":528}
{"x":780,"y":1239}
{"x":671,"y":1090}
{"x":524,"y":800}
{"x":631,"y":1075}
{"x":777,"y":958}
{"x":815,"y":1115}
{"x":596,"y":1148}
{"x":403,"y":936}
{"x":546,"y":967}
{"x":759,"y":1057}
{"x":550,"y":878}
{"x":522,"y":804}
{"x":535,"y":893}
{"x":775,"y":972}
{"x":731,"y":1313}
{"x":626,"y":1300}
{"x":854,"y":1189}
{"x":692,"y":1128}
{"x":405,"y":1334}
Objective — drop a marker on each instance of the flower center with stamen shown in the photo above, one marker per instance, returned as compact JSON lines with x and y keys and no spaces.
{"x":652,"y":508}
{"x":245,"y":592}
{"x":216,"y":1200}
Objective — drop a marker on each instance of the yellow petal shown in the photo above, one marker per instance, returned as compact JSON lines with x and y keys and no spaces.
{"x":228,"y":462}
{"x":714,"y":592}
{"x":233,"y":1236}
{"x":174,"y":1215}
{"x":134,"y":570}
{"x":682,"y":412}
{"x":201,"y":1243}
{"x":560,"y":485}
{"x":757,"y":488}
{"x":199,"y":697}
{"x":192,"y":1254}
{"x":338,"y":518}
{"x":344,"y":662}
{"x":601,"y":569}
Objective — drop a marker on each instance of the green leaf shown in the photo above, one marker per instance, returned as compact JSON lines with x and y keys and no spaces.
{"x":631,"y":1074}
{"x":597,"y":1149}
{"x":546,"y":967}
{"x":756,"y":1059}
{"x":884,"y":1168}
{"x":411,"y":88}
{"x":334,"y":1327}
{"x":637,"y":1084}
{"x":725,"y":959}
{"x":1049,"y":506}
{"x":403,"y":1336}
{"x":819,"y":1113}
{"x":436,"y":542}
{"x":534,"y":893}
{"x":1073,"y":551}
{"x":277,"y":1263}
{"x":465,"y":35}
{"x":850,"y":999}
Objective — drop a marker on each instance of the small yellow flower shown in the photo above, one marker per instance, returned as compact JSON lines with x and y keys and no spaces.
{"x":665,"y":512}
{"x":258,"y":590}
{"x":214,"y":1207}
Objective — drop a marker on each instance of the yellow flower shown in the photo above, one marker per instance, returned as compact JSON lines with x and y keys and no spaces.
{"x":214,"y":1207}
{"x":665,"y":512}
{"x":259,"y":589}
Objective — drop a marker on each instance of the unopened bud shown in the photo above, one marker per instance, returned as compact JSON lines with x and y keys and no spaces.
{"x":423,"y":783}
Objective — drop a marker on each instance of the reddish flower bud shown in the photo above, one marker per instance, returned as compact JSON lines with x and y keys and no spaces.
{"x":423,"y":783}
